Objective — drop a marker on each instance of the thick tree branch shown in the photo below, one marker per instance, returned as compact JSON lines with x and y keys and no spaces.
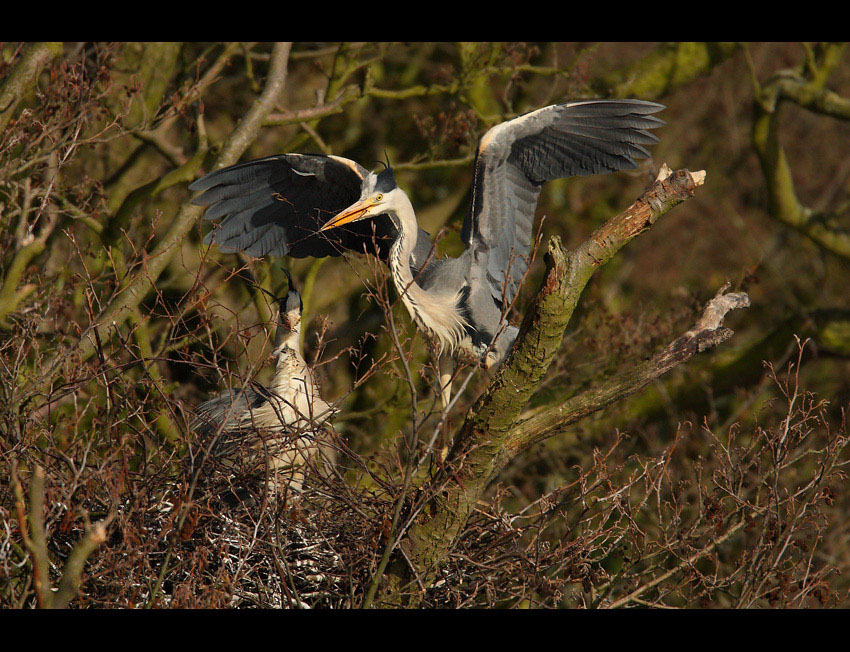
{"x":23,"y":75}
{"x":348,"y":95}
{"x":32,"y":246}
{"x":666,"y":68}
{"x":248,"y":129}
{"x":35,"y":539}
{"x":71,"y":580}
{"x":805,"y":87}
{"x":158,"y":64}
{"x":813,"y":97}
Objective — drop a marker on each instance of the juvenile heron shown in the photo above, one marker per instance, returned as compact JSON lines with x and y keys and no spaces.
{"x":314,"y":205}
{"x":273,"y":431}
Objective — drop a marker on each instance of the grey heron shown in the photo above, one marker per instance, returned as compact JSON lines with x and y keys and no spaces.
{"x":275,"y":430}
{"x":320,"y":205}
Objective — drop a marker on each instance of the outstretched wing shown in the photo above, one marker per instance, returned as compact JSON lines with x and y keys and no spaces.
{"x":276,"y":205}
{"x":515,"y":158}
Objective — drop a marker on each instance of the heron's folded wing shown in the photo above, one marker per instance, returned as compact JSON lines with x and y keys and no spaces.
{"x":516,"y":157}
{"x":224,"y":410}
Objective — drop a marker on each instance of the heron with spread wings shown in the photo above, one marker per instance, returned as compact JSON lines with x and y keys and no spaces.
{"x":319,"y":205}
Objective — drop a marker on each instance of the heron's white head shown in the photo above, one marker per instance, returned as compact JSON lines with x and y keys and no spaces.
{"x":380,"y":195}
{"x":290,"y":310}
{"x":290,"y":307}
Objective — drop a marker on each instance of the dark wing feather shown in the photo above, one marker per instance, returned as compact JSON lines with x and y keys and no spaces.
{"x":515,"y":158}
{"x":276,"y":205}
{"x":227,"y":407}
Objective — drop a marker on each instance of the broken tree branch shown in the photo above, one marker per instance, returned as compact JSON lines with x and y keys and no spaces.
{"x":707,"y":333}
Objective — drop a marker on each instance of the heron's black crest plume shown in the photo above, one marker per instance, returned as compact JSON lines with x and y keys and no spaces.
{"x":292,"y":287}
{"x":386,"y":180}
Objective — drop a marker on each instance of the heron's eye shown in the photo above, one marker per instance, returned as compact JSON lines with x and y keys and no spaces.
{"x":379,"y":198}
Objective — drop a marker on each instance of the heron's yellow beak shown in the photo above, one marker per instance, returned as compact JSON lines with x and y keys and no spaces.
{"x":350,"y":214}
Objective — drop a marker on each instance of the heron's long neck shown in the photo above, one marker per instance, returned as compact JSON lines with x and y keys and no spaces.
{"x":436,"y":314}
{"x":287,"y":336}
{"x":402,"y":250}
{"x":287,"y":352}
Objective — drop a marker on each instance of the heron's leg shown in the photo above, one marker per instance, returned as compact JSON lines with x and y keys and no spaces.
{"x":447,"y":369}
{"x":446,"y":365}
